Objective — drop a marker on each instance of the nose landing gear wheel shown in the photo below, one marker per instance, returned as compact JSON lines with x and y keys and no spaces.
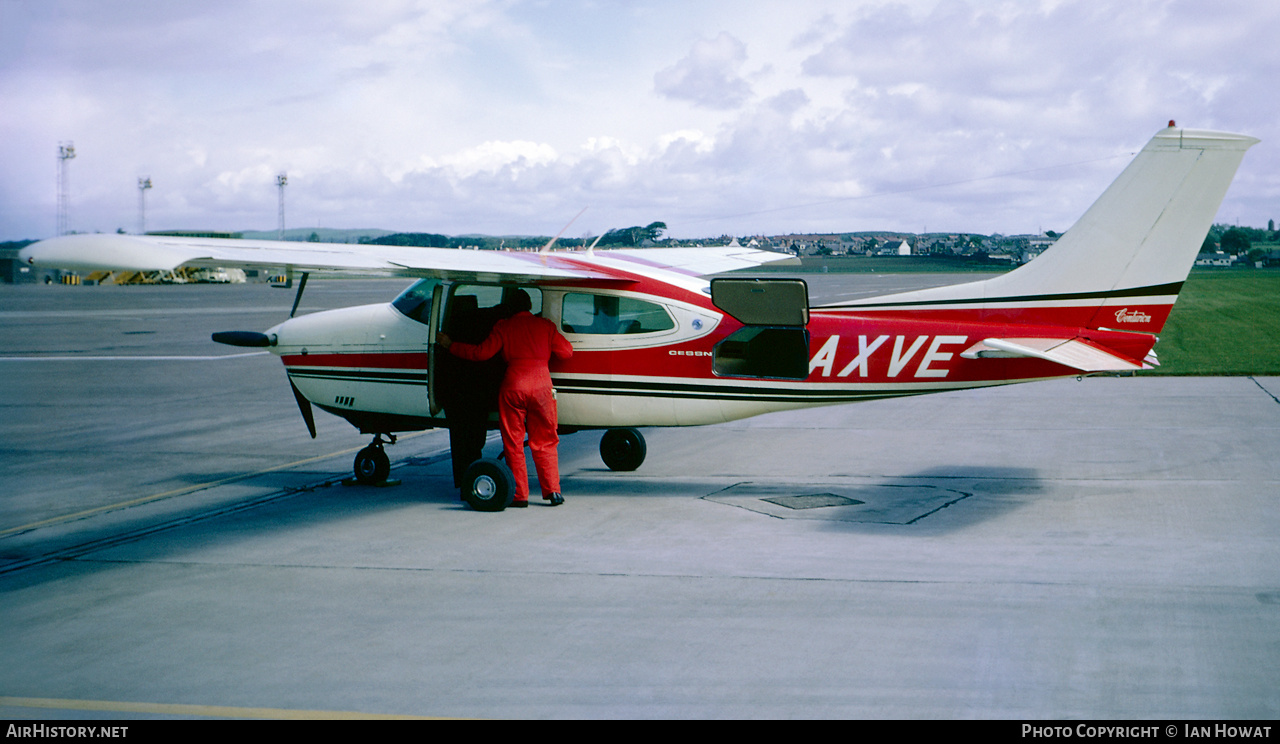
{"x":622,"y":449}
{"x":488,"y":485}
{"x":372,"y":465}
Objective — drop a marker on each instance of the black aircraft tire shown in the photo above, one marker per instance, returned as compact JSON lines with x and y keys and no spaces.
{"x":622,"y":449}
{"x":372,"y":465}
{"x":488,"y":485}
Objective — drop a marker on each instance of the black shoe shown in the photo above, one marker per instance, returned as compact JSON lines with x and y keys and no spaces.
{"x":519,"y":505}
{"x":555,"y":499}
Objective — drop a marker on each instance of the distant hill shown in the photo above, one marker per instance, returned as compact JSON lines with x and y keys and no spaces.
{"x":323,"y":234}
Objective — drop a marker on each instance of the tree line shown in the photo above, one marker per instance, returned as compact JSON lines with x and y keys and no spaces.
{"x":1239,"y":241}
{"x":627,"y":236}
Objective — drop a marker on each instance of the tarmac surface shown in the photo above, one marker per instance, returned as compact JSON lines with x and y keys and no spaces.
{"x":173,"y":544}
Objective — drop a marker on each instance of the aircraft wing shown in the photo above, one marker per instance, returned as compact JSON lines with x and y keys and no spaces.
{"x":695,"y":261}
{"x":1071,"y":352}
{"x":116,"y":252}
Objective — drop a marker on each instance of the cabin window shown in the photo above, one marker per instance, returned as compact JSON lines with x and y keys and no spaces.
{"x":473,"y":309}
{"x":613,"y":315}
{"x":492,"y":295}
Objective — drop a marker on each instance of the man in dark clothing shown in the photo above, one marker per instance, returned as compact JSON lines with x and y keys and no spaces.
{"x":468,"y":390}
{"x":527,"y":344}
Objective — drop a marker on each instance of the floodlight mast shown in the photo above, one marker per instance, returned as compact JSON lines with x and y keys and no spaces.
{"x":144,"y":183}
{"x":282,"y":180}
{"x":66,"y":151}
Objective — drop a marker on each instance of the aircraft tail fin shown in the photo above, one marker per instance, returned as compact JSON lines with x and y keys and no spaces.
{"x":1123,"y":262}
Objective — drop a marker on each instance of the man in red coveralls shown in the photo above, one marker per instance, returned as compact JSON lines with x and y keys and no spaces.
{"x":527,"y":343}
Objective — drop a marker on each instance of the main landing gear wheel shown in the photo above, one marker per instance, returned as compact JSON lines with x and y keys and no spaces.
{"x":488,"y":485}
{"x":622,"y":449}
{"x":372,"y":464}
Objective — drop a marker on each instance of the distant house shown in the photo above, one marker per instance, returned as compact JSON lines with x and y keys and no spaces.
{"x":1215,"y":259}
{"x":1038,"y":245}
{"x":896,"y":248}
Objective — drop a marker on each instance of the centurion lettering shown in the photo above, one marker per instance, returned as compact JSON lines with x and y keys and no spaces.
{"x":901,"y":352}
{"x":1125,"y":315}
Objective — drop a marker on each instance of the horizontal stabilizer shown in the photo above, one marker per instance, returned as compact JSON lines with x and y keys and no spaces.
{"x":1071,"y":352}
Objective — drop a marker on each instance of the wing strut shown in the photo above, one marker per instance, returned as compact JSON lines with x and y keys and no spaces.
{"x":298,"y":297}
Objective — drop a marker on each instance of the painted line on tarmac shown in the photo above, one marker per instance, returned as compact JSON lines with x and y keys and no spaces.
{"x":205,"y":711}
{"x":138,"y":313}
{"x":76,"y":551}
{"x":130,"y":358}
{"x":181,"y":491}
{"x":1264,"y":389}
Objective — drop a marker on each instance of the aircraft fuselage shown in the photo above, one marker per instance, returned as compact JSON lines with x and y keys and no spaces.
{"x":670,"y":359}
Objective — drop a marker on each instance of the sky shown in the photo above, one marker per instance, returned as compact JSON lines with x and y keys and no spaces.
{"x":716,"y":117}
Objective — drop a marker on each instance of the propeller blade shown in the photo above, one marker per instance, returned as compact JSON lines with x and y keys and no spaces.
{"x":243,"y":338}
{"x":304,"y":406}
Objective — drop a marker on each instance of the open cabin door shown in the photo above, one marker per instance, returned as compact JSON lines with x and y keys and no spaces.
{"x":468,"y":312}
{"x":774,"y":342}
{"x":434,"y":351}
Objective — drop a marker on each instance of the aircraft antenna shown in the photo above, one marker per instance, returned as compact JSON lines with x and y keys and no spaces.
{"x":144,"y":183}
{"x":547,"y":248}
{"x":282,"y":180}
{"x":591,"y":248}
{"x":66,"y":151}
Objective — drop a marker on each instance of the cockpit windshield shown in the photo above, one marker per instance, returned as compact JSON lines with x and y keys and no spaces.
{"x":415,"y":302}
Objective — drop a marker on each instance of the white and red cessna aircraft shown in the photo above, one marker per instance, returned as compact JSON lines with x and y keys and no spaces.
{"x":658,"y":344}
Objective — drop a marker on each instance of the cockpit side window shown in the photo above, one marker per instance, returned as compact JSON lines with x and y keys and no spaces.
{"x":473,"y":309}
{"x":415,"y":302}
{"x":613,"y":315}
{"x":491,"y":295}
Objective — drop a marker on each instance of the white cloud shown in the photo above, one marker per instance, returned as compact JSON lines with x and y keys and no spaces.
{"x":710,"y":75}
{"x":694,"y":138}
{"x":508,"y":116}
{"x":492,"y":157}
